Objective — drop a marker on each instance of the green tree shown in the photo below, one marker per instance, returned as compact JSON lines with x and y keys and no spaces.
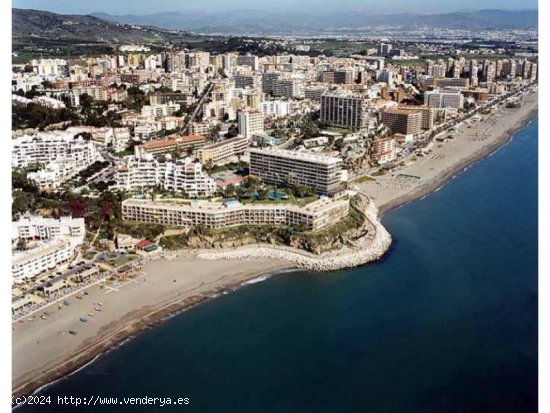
{"x":230,"y":191}
{"x":21,"y":244}
{"x":232,"y":131}
{"x":311,"y":130}
{"x":86,"y":103}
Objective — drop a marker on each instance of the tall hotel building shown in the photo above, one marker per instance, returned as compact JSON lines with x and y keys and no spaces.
{"x":250,"y":122}
{"x":344,"y":77}
{"x":344,"y":111}
{"x":439,"y":99}
{"x":428,"y":114}
{"x":283,"y":167}
{"x":406,"y":122}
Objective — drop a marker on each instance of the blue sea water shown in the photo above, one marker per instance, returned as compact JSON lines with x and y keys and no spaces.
{"x":446,"y":322}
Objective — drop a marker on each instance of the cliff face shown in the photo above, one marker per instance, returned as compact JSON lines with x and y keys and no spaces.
{"x":342,"y":233}
{"x":314,"y":243}
{"x":370,"y":247}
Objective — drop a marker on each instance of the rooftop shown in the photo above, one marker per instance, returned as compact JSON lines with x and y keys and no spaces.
{"x":303,"y":155}
{"x":400,"y":111}
{"x":173,"y":140}
{"x":225,"y":142}
{"x":219,"y":207}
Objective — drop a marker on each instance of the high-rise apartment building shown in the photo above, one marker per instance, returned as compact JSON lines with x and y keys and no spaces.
{"x":406,"y":122}
{"x":247,"y":80}
{"x":346,"y":111}
{"x":439,"y":99}
{"x":268,"y":81}
{"x":428,"y":114}
{"x":284,"y":167}
{"x":248,"y":60}
{"x":250,"y":122}
{"x":344,"y":77}
{"x":489,"y":72}
{"x":384,"y":49}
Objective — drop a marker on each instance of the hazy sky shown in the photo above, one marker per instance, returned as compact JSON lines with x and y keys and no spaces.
{"x":376,"y":6}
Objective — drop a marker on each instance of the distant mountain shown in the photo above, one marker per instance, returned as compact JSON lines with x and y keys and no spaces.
{"x":42,"y":25}
{"x":265,"y":22}
{"x":36,"y":28}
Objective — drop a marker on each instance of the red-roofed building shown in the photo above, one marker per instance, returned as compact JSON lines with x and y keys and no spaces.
{"x":182,"y":143}
{"x":143,"y":244}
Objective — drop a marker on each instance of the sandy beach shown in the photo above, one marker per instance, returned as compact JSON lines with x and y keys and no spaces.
{"x":44,"y":351}
{"x":470,"y":144}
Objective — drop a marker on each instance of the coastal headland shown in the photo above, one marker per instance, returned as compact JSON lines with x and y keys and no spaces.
{"x":43,"y":351}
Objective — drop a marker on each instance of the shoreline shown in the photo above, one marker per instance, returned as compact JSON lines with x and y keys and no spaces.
{"x":124,"y":328}
{"x":116,"y":333}
{"x":446,"y":175}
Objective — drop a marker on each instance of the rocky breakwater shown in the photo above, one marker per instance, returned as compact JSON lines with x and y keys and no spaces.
{"x":369,"y":248}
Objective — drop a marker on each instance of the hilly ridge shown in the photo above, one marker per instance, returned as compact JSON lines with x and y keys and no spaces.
{"x":264,"y":22}
{"x":37,"y":24}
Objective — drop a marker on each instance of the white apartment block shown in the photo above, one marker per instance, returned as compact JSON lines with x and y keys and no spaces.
{"x":34,"y":227}
{"x":250,"y":122}
{"x":221,"y":151}
{"x":61,"y":153}
{"x":201,"y":128}
{"x":25,"y":81}
{"x":158,"y":111}
{"x":144,"y":131}
{"x":183,"y":176}
{"x":102,"y":136}
{"x":51,"y":176}
{"x":438,"y":99}
{"x":47,"y":147}
{"x":49,"y":67}
{"x":100,"y":93}
{"x":278,"y":108}
{"x":384,"y":150}
{"x":284,"y":167}
{"x":29,"y":264}
{"x":315,"y":216}
{"x":121,"y":139}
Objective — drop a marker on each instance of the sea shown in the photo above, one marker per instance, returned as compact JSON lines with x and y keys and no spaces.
{"x":446,"y":322}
